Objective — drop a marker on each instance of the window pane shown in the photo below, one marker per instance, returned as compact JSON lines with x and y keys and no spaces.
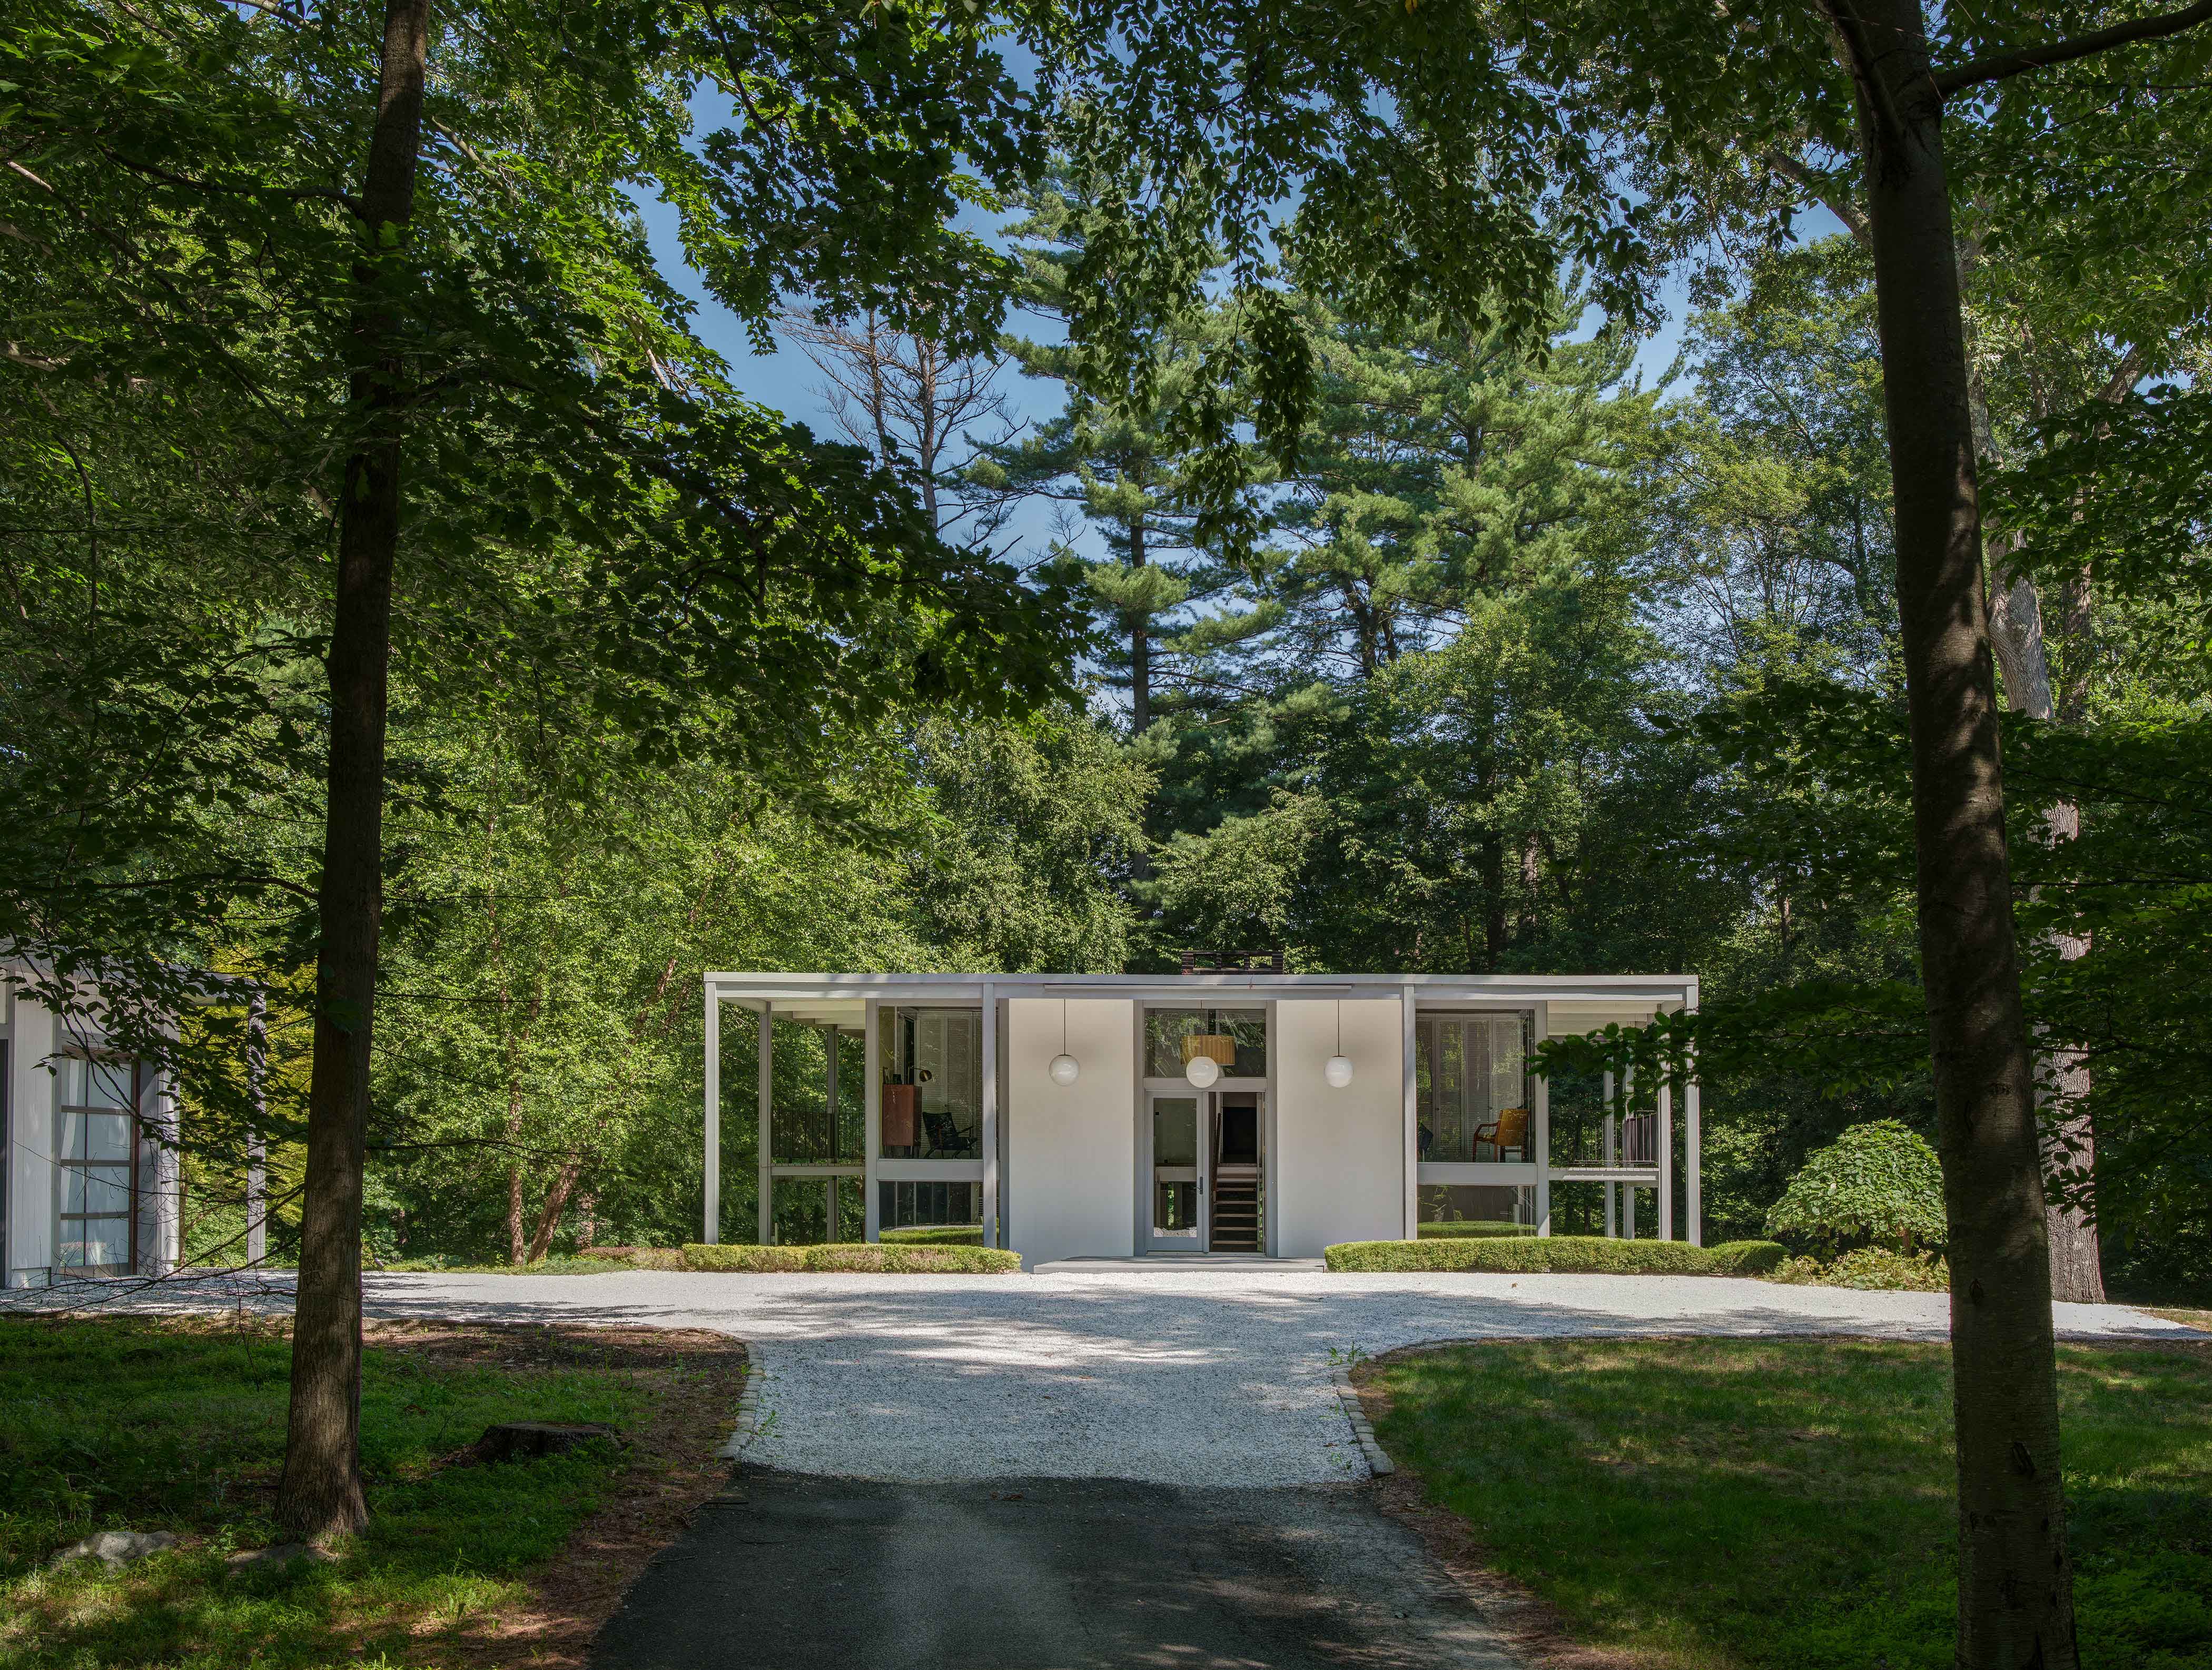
{"x":1175,"y":1130}
{"x":933,"y":1091}
{"x":1473,"y":1076}
{"x":95,"y":1084}
{"x":1174,"y":1206}
{"x":1165,"y":1030}
{"x":100,"y":1243}
{"x":941,"y":1213}
{"x":96,"y":1189}
{"x":1470,"y":1209}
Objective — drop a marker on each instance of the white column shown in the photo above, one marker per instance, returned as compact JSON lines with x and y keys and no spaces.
{"x":1666,"y":1159}
{"x":1693,"y":1155}
{"x":163,"y":1222}
{"x":991,"y":1236}
{"x":1628,"y":1190}
{"x":1609,"y":1155}
{"x":711,"y":1230}
{"x":257,"y":1142}
{"x":829,"y":1107}
{"x":1539,"y":1116}
{"x":1411,"y":1160}
{"x":872,"y":1131}
{"x":767,"y":1160}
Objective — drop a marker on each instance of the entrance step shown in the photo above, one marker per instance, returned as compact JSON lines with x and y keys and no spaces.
{"x":1236,"y":1216}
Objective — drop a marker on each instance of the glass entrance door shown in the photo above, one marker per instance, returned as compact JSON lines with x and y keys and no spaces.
{"x":1178,"y":1164}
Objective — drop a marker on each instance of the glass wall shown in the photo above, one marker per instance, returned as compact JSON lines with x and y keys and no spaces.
{"x":807,"y":1130}
{"x":98,"y":1134}
{"x":1469,"y":1210}
{"x":932,"y":1090}
{"x":938,"y":1214}
{"x":1472,"y":1074}
{"x":1172,"y":1036}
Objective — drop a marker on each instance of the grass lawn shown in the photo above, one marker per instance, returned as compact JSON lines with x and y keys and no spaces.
{"x":144,"y":1423}
{"x":1727,"y":1505}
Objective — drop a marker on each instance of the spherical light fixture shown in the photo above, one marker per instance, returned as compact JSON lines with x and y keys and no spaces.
{"x":1202,"y":1071}
{"x":1064,"y":1068}
{"x":1337,"y":1070}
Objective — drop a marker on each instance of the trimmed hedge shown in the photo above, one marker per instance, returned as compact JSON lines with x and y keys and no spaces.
{"x":857,"y":1257}
{"x":1560,"y":1254}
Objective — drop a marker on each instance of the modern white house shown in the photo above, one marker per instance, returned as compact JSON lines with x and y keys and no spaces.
{"x":1121,"y":1115}
{"x":91,"y":1184}
{"x":90,"y":1187}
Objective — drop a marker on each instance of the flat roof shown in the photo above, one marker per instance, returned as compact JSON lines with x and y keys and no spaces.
{"x":758,"y":985}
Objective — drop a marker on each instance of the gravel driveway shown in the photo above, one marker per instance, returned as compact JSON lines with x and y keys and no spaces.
{"x":1177,"y":1374}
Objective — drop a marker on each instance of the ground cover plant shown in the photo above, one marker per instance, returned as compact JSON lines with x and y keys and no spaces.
{"x":1738,"y":1504}
{"x":114,"y":1422}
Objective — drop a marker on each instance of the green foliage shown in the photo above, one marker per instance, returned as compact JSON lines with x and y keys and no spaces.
{"x":1878,"y":1181}
{"x":856,"y":1257}
{"x":1555,"y":1254}
{"x":1872,"y":1269}
{"x":1605,"y":1473}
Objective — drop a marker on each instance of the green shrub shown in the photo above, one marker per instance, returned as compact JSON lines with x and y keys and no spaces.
{"x":858,"y":1257}
{"x":1748,"y":1258}
{"x":1870,"y":1269}
{"x":1558,"y":1255}
{"x":936,"y":1235}
{"x":1879,"y":1181}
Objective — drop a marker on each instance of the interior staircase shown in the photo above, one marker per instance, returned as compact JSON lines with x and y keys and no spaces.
{"x":1235,"y":1209}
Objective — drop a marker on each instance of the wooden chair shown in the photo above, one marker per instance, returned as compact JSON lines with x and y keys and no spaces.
{"x":1509,"y":1130}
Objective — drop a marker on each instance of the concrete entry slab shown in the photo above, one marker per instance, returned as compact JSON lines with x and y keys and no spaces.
{"x":1048,"y":1574}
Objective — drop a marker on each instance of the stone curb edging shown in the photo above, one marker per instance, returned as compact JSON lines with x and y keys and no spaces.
{"x":1378,"y":1463}
{"x":749,"y":1410}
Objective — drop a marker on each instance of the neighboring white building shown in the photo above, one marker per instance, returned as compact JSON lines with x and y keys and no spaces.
{"x":90,"y":1188}
{"x":1111,"y":1116}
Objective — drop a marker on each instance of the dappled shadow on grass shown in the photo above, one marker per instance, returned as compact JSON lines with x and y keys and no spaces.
{"x":1790,"y":1503}
{"x":127,"y":1422}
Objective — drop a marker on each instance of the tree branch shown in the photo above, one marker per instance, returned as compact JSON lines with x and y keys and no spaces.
{"x":1794,"y":169}
{"x":2002,"y":65}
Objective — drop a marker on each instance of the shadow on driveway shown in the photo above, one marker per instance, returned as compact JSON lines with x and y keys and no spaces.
{"x":794,"y":1572}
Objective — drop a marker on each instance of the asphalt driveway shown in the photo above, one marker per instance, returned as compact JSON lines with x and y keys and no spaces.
{"x":792,"y":1573}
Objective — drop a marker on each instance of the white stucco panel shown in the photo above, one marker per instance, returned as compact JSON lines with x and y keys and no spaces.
{"x":1339,"y":1155}
{"x":1071,"y":1149}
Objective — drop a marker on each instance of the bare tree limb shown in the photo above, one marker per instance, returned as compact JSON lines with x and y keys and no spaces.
{"x":1999,"y":66}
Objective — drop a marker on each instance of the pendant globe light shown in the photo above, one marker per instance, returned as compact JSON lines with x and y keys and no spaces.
{"x":1202,"y":1071}
{"x":1337,"y":1070}
{"x":1064,"y":1068}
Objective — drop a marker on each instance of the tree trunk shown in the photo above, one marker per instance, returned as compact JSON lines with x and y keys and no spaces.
{"x":514,"y":1247}
{"x":555,"y":1202}
{"x":321,"y":1492}
{"x":1140,"y":645}
{"x":2016,"y":1579}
